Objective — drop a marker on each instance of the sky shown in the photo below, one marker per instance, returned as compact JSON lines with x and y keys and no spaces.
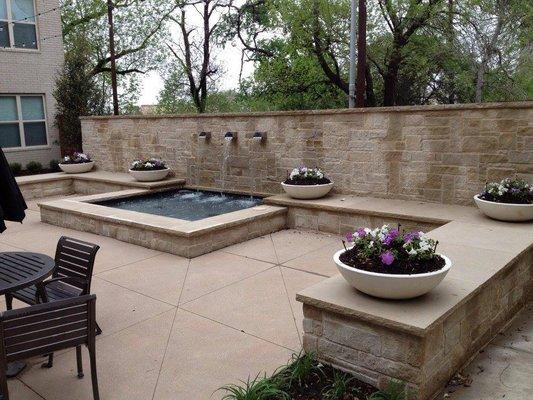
{"x":228,"y":57}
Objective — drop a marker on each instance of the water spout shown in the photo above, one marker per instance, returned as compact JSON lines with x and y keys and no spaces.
{"x":259,"y":136}
{"x":229,"y":136}
{"x":204,"y":136}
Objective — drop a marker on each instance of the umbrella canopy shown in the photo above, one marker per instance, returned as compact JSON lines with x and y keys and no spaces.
{"x":12,"y":204}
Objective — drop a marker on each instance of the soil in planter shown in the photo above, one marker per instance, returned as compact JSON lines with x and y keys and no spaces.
{"x":319,"y":382}
{"x":402,"y":266}
{"x":307,"y":181}
{"x":507,"y":198}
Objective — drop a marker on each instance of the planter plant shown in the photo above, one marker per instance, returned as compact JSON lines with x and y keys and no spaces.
{"x":508,"y":200}
{"x":307,"y":183}
{"x":149,"y":170}
{"x":76,"y":163}
{"x":388,"y":263}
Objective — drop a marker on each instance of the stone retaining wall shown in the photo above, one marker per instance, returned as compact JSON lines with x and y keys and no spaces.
{"x":377,"y":353}
{"x":432,"y":153}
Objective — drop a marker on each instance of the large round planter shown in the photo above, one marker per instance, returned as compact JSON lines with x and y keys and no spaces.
{"x":505,"y":211}
{"x":150,"y":176}
{"x":78,"y":168}
{"x":391,"y":286}
{"x":307,"y":192}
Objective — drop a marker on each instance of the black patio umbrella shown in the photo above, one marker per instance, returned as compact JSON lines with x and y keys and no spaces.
{"x":12,"y":204}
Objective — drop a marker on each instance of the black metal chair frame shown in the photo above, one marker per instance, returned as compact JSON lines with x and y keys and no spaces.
{"x":45,"y":328}
{"x":71,"y":278}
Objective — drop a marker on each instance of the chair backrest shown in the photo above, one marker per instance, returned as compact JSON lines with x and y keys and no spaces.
{"x":75,"y":258}
{"x":45,"y":328}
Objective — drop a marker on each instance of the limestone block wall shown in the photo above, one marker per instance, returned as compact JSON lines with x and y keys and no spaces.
{"x":440,"y":153}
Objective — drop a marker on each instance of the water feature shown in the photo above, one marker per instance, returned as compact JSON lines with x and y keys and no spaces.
{"x":185,"y":204}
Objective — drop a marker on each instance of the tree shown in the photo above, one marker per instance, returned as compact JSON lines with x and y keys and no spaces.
{"x":140,"y":26}
{"x":76,"y":94}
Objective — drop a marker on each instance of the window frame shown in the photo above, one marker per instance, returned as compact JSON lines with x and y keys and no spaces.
{"x":21,"y":122}
{"x":11,"y":28}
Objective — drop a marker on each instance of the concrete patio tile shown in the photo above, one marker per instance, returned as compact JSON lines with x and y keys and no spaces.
{"x":160,"y":277}
{"x":31,"y":221}
{"x":128,"y":365}
{"x":290,"y":243}
{"x":260,"y":248}
{"x":519,"y":335}
{"x":319,"y":261}
{"x":118,"y":308}
{"x":498,"y":373}
{"x":203,"y":355}
{"x":257,"y":305}
{"x":19,"y":391}
{"x":7,"y":247}
{"x":295,"y":282}
{"x":215,"y":270}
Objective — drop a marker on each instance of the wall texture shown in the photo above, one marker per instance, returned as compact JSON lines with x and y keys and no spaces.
{"x":431,"y":153}
{"x":34,"y":72}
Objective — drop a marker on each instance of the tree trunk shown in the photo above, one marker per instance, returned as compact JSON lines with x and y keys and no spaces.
{"x":390,"y":80}
{"x":370,"y":95}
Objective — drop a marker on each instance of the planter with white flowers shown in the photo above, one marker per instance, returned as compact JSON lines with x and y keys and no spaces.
{"x":77,"y":163}
{"x":149,"y":170}
{"x":509,"y":200}
{"x":307,"y":183}
{"x":390,"y":264}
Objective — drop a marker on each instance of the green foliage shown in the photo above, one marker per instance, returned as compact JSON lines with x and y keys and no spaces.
{"x":395,"y":391}
{"x":76,"y":95}
{"x":259,"y":388}
{"x":54,"y":165}
{"x":340,"y":386}
{"x":16,"y":168}
{"x":34,"y":167}
{"x":299,"y":368}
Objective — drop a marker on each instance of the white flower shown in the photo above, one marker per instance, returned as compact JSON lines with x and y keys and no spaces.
{"x":412,"y":252}
{"x":66,"y":158}
{"x":371,"y":244}
{"x":149,"y":165}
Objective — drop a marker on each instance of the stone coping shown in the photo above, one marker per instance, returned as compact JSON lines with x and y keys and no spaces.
{"x":118,"y":178}
{"x":84,"y":206}
{"x":369,"y":110}
{"x":480,"y":250}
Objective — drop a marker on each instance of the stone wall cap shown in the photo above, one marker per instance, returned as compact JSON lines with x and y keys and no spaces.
{"x":368,"y":110}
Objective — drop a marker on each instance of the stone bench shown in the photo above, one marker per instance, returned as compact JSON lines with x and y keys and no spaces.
{"x":422,"y":341}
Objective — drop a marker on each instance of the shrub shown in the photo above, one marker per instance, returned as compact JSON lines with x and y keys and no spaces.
{"x":54,"y":165}
{"x":16,"y":168}
{"x":306,"y":176}
{"x":34,"y":167}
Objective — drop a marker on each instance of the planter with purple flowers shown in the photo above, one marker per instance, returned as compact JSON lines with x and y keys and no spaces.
{"x":76,"y":163}
{"x":509,"y":200}
{"x":149,"y":170}
{"x":307,"y":183}
{"x":390,"y":264}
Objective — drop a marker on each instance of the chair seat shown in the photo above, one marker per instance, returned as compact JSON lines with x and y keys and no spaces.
{"x":54,"y":291}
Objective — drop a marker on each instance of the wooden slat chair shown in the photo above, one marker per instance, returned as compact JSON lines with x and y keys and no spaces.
{"x":71,"y":277}
{"x":43,"y":328}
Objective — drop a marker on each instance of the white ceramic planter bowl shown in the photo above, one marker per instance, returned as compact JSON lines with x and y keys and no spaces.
{"x":505,"y":212}
{"x":77,"y":168}
{"x":307,"y":191}
{"x":150,"y":176}
{"x":391,"y":286}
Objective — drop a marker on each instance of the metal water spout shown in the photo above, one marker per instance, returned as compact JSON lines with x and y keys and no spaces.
{"x":229,"y":136}
{"x":204,"y":136}
{"x":259,"y":136}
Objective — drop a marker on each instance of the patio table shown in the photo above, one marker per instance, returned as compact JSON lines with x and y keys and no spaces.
{"x":19,"y":270}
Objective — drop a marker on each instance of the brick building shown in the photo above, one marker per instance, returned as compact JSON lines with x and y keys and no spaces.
{"x":31,"y":55}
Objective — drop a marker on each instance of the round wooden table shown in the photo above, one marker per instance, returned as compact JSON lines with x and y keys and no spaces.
{"x":19,"y":270}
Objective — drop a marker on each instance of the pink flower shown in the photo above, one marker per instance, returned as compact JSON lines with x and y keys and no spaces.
{"x":387,"y":258}
{"x":349,"y":237}
{"x":361,"y":232}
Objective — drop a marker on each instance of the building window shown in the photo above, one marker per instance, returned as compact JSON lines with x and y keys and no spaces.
{"x":22,"y":121}
{"x":17,"y":24}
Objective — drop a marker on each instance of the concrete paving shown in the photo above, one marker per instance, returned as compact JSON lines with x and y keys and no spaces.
{"x":175,"y":328}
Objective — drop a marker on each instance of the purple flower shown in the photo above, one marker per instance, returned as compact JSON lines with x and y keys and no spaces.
{"x":411,"y":236}
{"x":389,"y":237}
{"x":387,"y":258}
{"x":361,"y":232}
{"x":349,"y":237}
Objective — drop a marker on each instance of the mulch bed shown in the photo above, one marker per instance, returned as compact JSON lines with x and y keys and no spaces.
{"x":317,"y":384}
